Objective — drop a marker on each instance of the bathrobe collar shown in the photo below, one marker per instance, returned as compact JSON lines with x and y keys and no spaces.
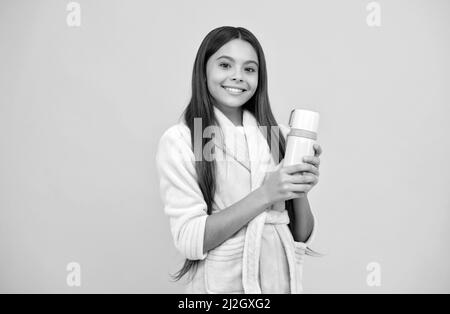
{"x":260,"y":159}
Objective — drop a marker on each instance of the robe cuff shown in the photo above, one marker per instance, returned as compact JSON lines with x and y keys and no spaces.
{"x":194,"y":249}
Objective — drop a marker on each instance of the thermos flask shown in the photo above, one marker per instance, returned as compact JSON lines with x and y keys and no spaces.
{"x":300,"y":140}
{"x":300,"y":143}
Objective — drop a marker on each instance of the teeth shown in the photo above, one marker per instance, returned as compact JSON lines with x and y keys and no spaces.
{"x":235,"y":90}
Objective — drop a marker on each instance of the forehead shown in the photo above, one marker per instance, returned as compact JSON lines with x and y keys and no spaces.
{"x":239,"y":50}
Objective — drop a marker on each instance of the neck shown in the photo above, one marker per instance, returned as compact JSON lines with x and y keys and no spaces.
{"x":233,"y":114}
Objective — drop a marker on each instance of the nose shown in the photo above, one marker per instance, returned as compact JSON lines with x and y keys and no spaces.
{"x":237,"y":76}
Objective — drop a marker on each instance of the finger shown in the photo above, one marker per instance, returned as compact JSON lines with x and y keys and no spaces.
{"x":315,"y":161}
{"x":303,"y":167}
{"x":317,"y":149}
{"x":299,"y":187}
{"x":302,"y":179}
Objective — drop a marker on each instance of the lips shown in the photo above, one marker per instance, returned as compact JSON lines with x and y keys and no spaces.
{"x":234,"y":90}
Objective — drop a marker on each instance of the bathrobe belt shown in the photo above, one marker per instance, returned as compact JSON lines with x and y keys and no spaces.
{"x":252,"y":249}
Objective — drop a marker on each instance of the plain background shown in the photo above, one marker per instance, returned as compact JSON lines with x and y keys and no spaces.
{"x":82,"y":110}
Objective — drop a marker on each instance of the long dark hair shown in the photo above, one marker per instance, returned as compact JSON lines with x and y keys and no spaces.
{"x":201,"y":106}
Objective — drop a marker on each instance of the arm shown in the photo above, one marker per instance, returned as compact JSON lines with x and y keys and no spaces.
{"x":194,"y":231}
{"x":304,"y":220}
{"x":222,"y":225}
{"x":181,"y":195}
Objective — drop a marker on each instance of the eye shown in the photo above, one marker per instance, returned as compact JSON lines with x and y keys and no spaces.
{"x":224,"y":65}
{"x":251,"y":69}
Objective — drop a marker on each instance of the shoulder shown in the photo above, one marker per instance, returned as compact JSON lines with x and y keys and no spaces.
{"x":174,"y":154}
{"x":178,"y":135}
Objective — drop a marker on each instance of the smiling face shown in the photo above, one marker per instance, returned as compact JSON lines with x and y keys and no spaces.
{"x":232,"y":74}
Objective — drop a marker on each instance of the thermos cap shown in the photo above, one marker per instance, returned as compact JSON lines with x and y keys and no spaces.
{"x":304,"y":119}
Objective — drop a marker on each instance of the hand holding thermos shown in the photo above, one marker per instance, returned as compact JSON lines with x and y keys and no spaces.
{"x":298,"y":172}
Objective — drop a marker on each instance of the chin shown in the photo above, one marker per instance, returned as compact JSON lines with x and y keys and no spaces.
{"x":233,"y":105}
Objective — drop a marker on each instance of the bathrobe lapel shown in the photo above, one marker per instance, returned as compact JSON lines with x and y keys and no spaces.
{"x":261,"y":162}
{"x":259,"y":159}
{"x":231,"y":144}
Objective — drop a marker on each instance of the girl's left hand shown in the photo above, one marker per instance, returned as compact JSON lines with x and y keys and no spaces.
{"x":314,"y":162}
{"x":311,"y":162}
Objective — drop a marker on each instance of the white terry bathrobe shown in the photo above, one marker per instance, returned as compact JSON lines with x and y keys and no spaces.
{"x":262,"y":257}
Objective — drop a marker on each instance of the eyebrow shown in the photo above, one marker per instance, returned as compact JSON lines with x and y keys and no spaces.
{"x":230,"y":58}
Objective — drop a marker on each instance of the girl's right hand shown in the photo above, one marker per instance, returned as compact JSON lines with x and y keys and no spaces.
{"x":286,"y":183}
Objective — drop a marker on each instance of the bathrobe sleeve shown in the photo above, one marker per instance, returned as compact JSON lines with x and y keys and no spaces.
{"x":300,"y":246}
{"x":180,"y":192}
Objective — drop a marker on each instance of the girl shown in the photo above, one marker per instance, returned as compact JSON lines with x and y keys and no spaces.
{"x":242,"y":222}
